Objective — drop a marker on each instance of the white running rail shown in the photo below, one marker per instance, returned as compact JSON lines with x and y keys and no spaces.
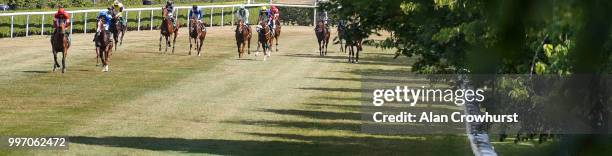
{"x":212,"y":8}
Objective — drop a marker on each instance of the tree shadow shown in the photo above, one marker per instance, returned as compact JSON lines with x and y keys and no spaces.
{"x":342,"y":126}
{"x":37,"y":71}
{"x":317,"y":114}
{"x":314,"y":56}
{"x":295,"y":145}
{"x":333,"y":89}
{"x":377,"y":80}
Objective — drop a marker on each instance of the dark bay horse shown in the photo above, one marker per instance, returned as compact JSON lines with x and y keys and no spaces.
{"x":243,"y":38}
{"x":264,"y":38}
{"x":105,"y":46}
{"x":277,"y":32}
{"x":341,"y":35}
{"x":322,"y":37}
{"x":117,"y":29}
{"x":168,"y":29}
{"x":197,"y":33}
{"x":59,"y":43}
{"x":353,"y":46}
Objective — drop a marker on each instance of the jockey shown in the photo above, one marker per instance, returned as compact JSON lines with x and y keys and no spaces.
{"x":275,"y":15}
{"x":170,"y":7}
{"x":106,"y":21}
{"x":195,"y":13}
{"x":243,"y":14}
{"x":118,"y":11}
{"x":323,"y":17}
{"x":265,"y":14}
{"x":62,"y":14}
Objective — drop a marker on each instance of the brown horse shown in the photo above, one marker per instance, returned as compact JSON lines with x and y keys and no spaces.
{"x":168,"y":29}
{"x":264,"y":38}
{"x":117,"y":29}
{"x":340,"y":30}
{"x":354,"y":47}
{"x":59,"y":43}
{"x":322,"y":37}
{"x":197,"y":32}
{"x":277,"y":32}
{"x":105,"y":46}
{"x":243,"y":38}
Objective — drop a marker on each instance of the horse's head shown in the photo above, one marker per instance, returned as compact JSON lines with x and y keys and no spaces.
{"x":164,"y":13}
{"x":61,"y":25}
{"x":100,"y":24}
{"x":320,"y":26}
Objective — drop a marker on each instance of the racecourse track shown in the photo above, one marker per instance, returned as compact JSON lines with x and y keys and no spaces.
{"x":295,"y":103}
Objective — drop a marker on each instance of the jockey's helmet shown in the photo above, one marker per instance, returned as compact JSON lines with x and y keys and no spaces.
{"x":194,"y":7}
{"x":61,"y":10}
{"x":102,"y":13}
{"x":264,"y":8}
{"x":242,"y":7}
{"x":168,"y":2}
{"x":116,"y":3}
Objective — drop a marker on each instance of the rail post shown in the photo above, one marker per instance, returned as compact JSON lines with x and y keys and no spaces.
{"x":85,"y":23}
{"x":139,"y":12}
{"x":188,"y":23}
{"x":27,"y":25}
{"x":71,"y":19}
{"x":12,"y":20}
{"x":42,"y":25}
{"x":126,"y":20}
{"x":151,"y":20}
{"x":314,"y":18}
{"x":211,"y":16}
{"x":222,"y":12}
{"x":233,"y":15}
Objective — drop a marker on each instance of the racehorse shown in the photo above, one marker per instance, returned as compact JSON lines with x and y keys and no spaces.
{"x":322,"y":37}
{"x":354,"y":47}
{"x":117,"y":29}
{"x":197,"y":32}
{"x":264,"y":38}
{"x":277,"y":32}
{"x":168,"y":29}
{"x":340,"y":30}
{"x":243,"y":38}
{"x":59,"y":43}
{"x":105,"y":46}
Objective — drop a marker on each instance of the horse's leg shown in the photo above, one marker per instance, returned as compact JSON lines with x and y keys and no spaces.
{"x":238,"y":47}
{"x":249,"y":43}
{"x":174,"y":41}
{"x":276,"y":42}
{"x":116,"y":37}
{"x":167,"y":42}
{"x":160,"y":39}
{"x":97,"y":56}
{"x":55,"y":64}
{"x":65,"y":53}
{"x":122,"y":34}
{"x":357,"y":55}
{"x":200,"y":46}
{"x":190,"y":45}
{"x":320,"y":53}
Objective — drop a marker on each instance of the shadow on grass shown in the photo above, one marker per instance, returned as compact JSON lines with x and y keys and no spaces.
{"x":303,"y":145}
{"x":377,"y":80}
{"x":333,"y":89}
{"x":317,"y":114}
{"x":354,"y":127}
{"x":37,"y":71}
